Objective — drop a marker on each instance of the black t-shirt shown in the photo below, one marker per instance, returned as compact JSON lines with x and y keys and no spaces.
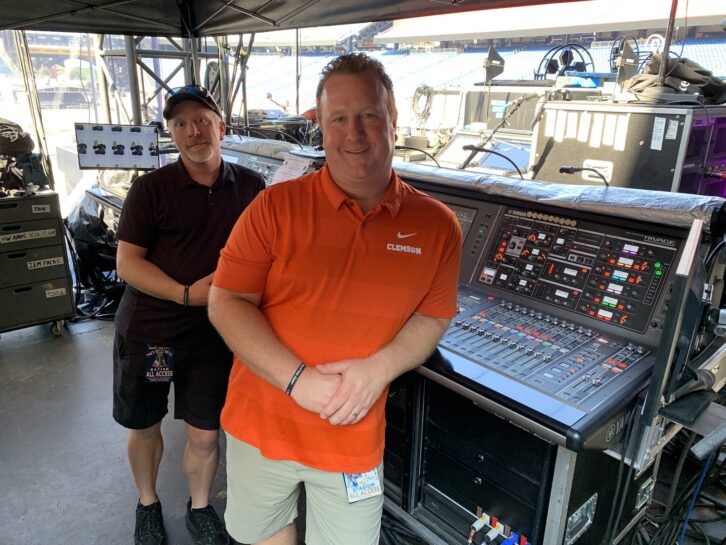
{"x":183,"y":225}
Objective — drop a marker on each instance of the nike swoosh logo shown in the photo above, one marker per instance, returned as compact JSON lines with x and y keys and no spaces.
{"x":401,"y":235}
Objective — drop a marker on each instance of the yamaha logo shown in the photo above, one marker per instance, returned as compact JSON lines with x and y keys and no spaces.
{"x":659,"y":240}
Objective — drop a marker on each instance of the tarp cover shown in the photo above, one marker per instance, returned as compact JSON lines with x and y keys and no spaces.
{"x":191,"y":18}
{"x":676,"y":209}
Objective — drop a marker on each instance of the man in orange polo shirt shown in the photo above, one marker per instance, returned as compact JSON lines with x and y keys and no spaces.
{"x":330,"y":286}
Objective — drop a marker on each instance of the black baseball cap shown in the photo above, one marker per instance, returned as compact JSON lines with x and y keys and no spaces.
{"x":196,"y":93}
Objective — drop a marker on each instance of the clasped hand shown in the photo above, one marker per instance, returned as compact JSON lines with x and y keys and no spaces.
{"x":341,"y":392}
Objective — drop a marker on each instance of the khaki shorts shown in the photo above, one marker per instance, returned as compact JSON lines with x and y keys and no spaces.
{"x":262,"y":499}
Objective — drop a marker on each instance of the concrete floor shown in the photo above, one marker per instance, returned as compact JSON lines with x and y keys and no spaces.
{"x":64,"y":476}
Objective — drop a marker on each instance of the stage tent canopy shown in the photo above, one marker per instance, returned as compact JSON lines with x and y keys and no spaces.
{"x":319,"y":36}
{"x":194,"y":18}
{"x":518,"y":22}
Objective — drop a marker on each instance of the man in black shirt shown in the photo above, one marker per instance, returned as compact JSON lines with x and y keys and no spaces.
{"x":174,"y":223}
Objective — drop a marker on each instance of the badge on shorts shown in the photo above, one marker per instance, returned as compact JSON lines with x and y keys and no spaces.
{"x":159,"y":363}
{"x":362,"y":485}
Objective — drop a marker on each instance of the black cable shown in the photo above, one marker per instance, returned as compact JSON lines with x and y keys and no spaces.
{"x":76,"y":264}
{"x":708,"y":521}
{"x":567,"y":169}
{"x":540,"y":110}
{"x":669,"y":524}
{"x":677,"y":472}
{"x":712,"y":254}
{"x":476,"y":149}
{"x":641,"y":534}
{"x":700,"y":531}
{"x":666,"y":524}
{"x":426,"y":153}
{"x":238,"y":131}
{"x":620,"y":488}
{"x":511,"y":109}
{"x":384,"y":537}
{"x":717,"y":502}
{"x":396,"y":533}
{"x":623,"y":496}
{"x":694,"y":496}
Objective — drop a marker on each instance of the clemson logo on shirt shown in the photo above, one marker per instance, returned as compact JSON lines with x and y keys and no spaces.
{"x":391,"y":247}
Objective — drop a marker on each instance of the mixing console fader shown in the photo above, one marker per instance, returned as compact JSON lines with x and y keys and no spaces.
{"x":567,"y":361}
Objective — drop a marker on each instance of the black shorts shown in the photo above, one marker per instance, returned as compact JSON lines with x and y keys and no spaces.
{"x":142,"y":376}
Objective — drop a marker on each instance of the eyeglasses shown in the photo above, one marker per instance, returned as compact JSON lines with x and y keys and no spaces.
{"x":194,"y":89}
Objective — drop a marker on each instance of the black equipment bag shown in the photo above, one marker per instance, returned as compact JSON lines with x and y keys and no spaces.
{"x":682,"y":75}
{"x":14,"y":141}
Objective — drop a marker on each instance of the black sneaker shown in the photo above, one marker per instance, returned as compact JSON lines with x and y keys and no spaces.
{"x":149,"y":525}
{"x":205,"y":526}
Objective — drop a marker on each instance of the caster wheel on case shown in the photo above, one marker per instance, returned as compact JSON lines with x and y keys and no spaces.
{"x":56,"y":328}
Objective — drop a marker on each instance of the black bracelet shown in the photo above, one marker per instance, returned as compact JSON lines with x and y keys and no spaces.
{"x":293,"y":380}
{"x":186,"y":296}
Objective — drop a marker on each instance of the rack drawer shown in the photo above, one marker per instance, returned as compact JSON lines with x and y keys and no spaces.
{"x":36,"y":207}
{"x":32,"y":265}
{"x":29,"y":304}
{"x":30,"y":234}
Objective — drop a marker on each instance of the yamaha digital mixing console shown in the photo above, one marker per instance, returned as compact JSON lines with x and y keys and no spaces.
{"x":561,"y":313}
{"x":521,"y":414}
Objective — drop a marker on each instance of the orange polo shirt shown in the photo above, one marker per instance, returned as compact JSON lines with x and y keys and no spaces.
{"x":336,"y":283}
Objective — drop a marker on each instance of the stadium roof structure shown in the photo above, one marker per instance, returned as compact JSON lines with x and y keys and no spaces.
{"x":322,"y":36}
{"x":193,"y":18}
{"x":516,"y":22}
